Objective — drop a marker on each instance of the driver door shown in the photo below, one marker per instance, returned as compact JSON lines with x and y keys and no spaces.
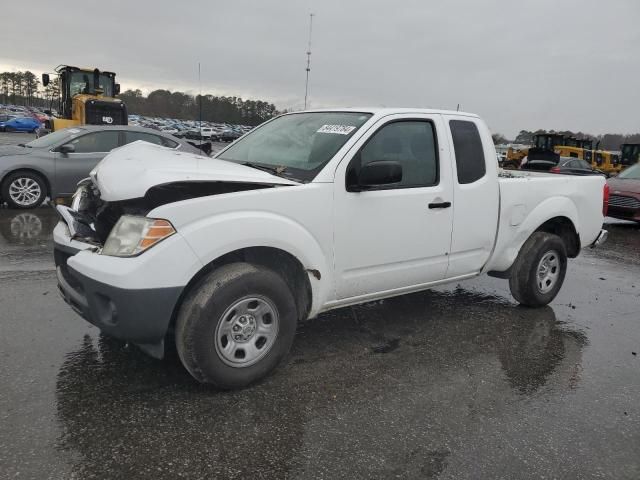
{"x":394,"y":237}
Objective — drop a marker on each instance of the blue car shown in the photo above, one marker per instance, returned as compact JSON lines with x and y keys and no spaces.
{"x":4,"y":119}
{"x":22,"y":124}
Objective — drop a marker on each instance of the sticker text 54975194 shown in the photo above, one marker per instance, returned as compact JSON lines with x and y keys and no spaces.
{"x":339,"y":129}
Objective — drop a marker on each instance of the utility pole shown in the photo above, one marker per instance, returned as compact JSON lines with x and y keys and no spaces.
{"x":200,"y":98}
{"x":306,"y":88}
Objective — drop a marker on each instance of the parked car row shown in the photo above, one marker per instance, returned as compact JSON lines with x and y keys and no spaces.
{"x":18,"y":118}
{"x":192,"y":129}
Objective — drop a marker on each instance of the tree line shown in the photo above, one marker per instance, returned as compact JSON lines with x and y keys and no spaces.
{"x":180,"y":105}
{"x":24,"y":88}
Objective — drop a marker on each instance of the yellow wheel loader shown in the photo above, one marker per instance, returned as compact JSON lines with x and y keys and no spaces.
{"x":86,"y":97}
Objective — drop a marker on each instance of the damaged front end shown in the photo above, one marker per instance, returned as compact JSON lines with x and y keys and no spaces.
{"x":90,"y":219}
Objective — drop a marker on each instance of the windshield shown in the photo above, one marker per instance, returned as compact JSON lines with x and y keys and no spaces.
{"x":632,"y":172}
{"x":82,"y":82}
{"x":54,"y":138}
{"x":297,"y":145}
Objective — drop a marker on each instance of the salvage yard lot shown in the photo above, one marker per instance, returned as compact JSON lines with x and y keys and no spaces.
{"x":456,"y":382}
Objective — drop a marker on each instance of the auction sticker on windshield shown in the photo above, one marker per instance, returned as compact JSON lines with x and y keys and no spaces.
{"x":339,"y":129}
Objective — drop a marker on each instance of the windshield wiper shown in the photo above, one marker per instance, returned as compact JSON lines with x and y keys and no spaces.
{"x":24,"y":146}
{"x":278,"y":171}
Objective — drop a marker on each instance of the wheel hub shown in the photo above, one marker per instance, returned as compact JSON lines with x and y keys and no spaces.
{"x":548,"y":271}
{"x":247,"y":331}
{"x":24,"y":191}
{"x":244,"y":328}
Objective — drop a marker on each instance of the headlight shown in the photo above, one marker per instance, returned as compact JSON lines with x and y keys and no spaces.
{"x":133,"y":235}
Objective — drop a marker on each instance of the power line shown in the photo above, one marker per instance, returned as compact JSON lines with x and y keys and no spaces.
{"x":306,"y":87}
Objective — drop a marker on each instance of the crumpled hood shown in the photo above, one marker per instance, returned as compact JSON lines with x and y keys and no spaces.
{"x":7,"y":150}
{"x":129,"y":171}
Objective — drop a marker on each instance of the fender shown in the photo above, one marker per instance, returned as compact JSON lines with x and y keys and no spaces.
{"x":511,"y":238}
{"x":212,"y":237}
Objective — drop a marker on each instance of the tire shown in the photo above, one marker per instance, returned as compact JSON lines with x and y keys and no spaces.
{"x":539,"y":270}
{"x":24,"y":190}
{"x":216,"y":319}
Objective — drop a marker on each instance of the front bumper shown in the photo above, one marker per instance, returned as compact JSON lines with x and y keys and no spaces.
{"x":124,"y":297}
{"x":141,"y":316}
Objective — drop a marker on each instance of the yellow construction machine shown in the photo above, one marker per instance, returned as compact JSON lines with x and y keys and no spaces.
{"x":86,"y":97}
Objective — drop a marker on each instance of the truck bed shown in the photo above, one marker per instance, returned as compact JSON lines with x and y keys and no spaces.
{"x":526,"y":199}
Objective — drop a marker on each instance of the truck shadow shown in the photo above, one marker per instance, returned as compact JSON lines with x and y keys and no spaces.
{"x":383,"y":370}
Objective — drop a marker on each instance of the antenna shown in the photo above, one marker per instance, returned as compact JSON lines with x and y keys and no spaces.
{"x":458,"y":109}
{"x":200,"y":99}
{"x":306,"y":87}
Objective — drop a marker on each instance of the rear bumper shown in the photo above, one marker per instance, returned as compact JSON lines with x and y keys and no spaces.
{"x":623,"y":213}
{"x":602,"y":237}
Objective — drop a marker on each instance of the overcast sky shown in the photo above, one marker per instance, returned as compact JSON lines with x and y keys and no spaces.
{"x":525,"y":64}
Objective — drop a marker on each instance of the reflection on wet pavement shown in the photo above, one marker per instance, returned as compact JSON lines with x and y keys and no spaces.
{"x":336,"y":386}
{"x":26,"y":239}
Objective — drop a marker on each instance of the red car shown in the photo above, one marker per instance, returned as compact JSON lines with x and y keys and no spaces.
{"x":624,"y":194}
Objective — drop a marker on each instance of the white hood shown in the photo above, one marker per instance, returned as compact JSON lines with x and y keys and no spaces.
{"x":129,"y":171}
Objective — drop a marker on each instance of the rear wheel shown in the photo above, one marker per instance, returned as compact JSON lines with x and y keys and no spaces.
{"x":539,"y":270}
{"x":24,"y":190}
{"x":236,"y":325}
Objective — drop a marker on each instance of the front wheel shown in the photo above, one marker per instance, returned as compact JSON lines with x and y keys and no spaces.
{"x":539,"y":270}
{"x":236,"y":325}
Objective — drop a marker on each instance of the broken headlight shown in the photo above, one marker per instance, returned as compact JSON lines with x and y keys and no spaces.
{"x":133,"y":235}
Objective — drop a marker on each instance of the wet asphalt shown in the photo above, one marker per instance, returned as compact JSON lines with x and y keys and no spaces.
{"x":454,"y":383}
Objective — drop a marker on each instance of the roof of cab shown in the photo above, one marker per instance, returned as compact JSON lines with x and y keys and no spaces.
{"x":382,"y":111}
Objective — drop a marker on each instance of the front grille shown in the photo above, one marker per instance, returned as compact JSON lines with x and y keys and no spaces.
{"x":623,"y":201}
{"x":105,"y":113}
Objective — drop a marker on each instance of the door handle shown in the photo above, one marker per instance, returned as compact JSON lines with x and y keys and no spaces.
{"x":440,"y":205}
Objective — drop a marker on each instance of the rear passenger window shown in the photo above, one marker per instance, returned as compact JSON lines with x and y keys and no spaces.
{"x":469,"y":151}
{"x":132,"y":136}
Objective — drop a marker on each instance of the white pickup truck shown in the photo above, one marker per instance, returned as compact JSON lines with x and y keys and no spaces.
{"x":309,"y":212}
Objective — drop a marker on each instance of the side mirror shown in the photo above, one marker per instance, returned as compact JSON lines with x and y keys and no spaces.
{"x":376,"y":174}
{"x":45,"y":79}
{"x":67,"y":148}
{"x":116,"y":89}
